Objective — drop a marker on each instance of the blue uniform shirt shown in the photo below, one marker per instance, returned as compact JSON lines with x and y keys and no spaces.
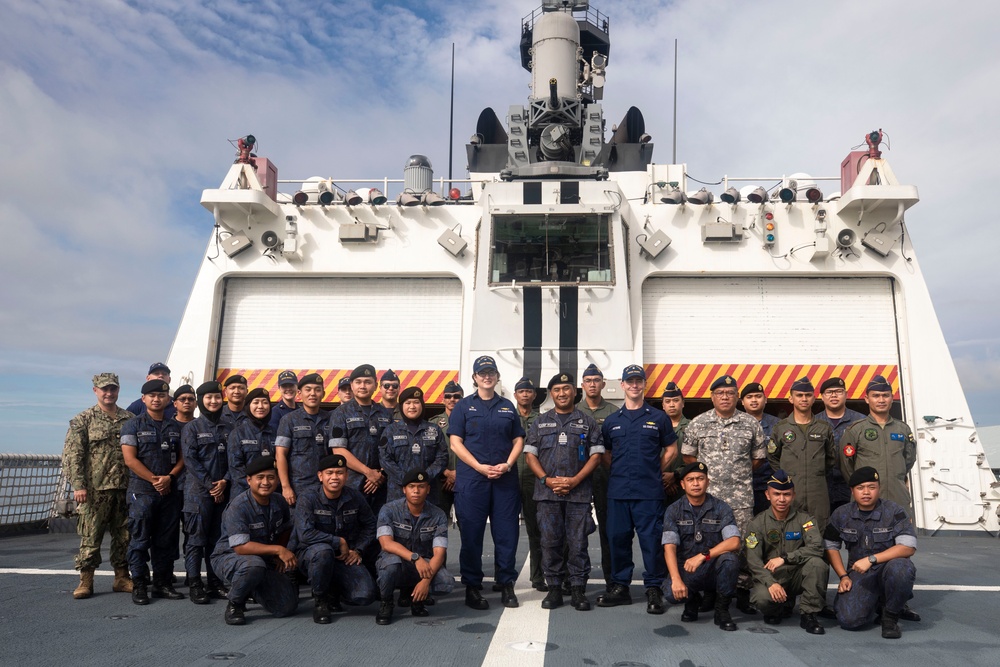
{"x":206,"y":459}
{"x":247,"y":442}
{"x":763,"y":472}
{"x":246,"y":521}
{"x":232,"y":418}
{"x":304,"y":436}
{"x":563,"y":445}
{"x":419,"y":534}
{"x":406,"y":446}
{"x":695,"y":529}
{"x":840,"y":425}
{"x":359,"y":432}
{"x":321,"y":520}
{"x":158,"y":447}
{"x":488,"y":430}
{"x":868,"y":533}
{"x":636,"y":440}
{"x":279,"y":410}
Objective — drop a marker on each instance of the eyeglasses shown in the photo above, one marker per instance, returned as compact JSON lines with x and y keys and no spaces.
{"x":834,"y":392}
{"x":452,"y":396}
{"x":724,"y":393}
{"x":488,"y":373}
{"x":390,"y":385}
{"x":592,"y":381}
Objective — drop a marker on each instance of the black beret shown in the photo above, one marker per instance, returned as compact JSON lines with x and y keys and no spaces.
{"x":210,"y":387}
{"x":332,"y":461}
{"x":780,"y":481}
{"x":672,"y":391}
{"x":524,"y":383}
{"x":561,"y":378}
{"x":694,"y":466}
{"x":411,"y":392}
{"x":363,"y":371}
{"x":862,"y":475}
{"x":260,"y":464}
{"x":804,"y":384}
{"x":183,"y":389}
{"x":832,"y":383}
{"x":154,"y":386}
{"x":235,"y":379}
{"x":415,"y":475}
{"x":259,"y":392}
{"x":752,"y":388}
{"x":311,"y":378}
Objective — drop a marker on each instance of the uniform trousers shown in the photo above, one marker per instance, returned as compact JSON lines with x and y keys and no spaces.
{"x":477,"y":499}
{"x":202,"y":528}
{"x":324,"y":572}
{"x":808,"y":580}
{"x":529,"y":510}
{"x":153,"y":524}
{"x":643,"y":518}
{"x":251,"y":575}
{"x":600,"y":481}
{"x":564,"y":528}
{"x":394,"y":572}
{"x":104,"y":511}
{"x":717,"y":575}
{"x":888,"y":584}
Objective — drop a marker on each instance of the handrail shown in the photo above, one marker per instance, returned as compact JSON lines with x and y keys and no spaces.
{"x":31,"y":487}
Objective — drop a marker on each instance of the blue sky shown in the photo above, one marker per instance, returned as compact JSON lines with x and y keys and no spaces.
{"x":117,"y":114}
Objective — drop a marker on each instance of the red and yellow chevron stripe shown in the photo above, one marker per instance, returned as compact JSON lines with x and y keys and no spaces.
{"x":695,"y":379}
{"x":432,"y":382}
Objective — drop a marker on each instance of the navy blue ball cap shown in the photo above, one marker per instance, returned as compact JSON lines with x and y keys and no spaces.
{"x":155,"y":386}
{"x":694,"y":466}
{"x":235,"y":379}
{"x":878,"y":383}
{"x":484,"y":363}
{"x":524,"y":383}
{"x":287,"y":377}
{"x":344,"y":383}
{"x":780,"y":481}
{"x":159,"y":366}
{"x":633,"y":371}
{"x":592,"y":371}
{"x":210,"y":387}
{"x":311,"y":378}
{"x":803,"y":384}
{"x":862,"y":475}
{"x":332,"y":461}
{"x":417,"y":475}
{"x":725,"y":382}
{"x":363,"y":371}
{"x":751,"y":388}
{"x":260,"y":464}
{"x":672,"y":391}
{"x":561,"y":378}
{"x":832,"y":383}
{"x":453,"y":388}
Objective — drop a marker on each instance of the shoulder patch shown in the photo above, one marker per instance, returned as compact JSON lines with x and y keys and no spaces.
{"x":771,"y":447}
{"x":900,"y":515}
{"x":808,"y":525}
{"x":849,"y":451}
{"x":752,"y":541}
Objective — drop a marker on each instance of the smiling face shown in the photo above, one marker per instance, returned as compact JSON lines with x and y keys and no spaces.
{"x":834,"y":398}
{"x":412,"y":408}
{"x":362,"y":389}
{"x":486,"y":379}
{"x":107,"y":396}
{"x":262,"y":484}
{"x":332,"y":480}
{"x":260,"y":407}
{"x":212,"y":402}
{"x":312,"y":395}
{"x":236,"y":393}
{"x":563,"y":396}
{"x":390,"y":390}
{"x":634,"y":388}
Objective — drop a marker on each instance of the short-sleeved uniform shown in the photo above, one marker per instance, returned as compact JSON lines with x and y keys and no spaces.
{"x":247,"y":441}
{"x":763,"y":472}
{"x":206,"y":461}
{"x":599,"y":481}
{"x":93,"y":462}
{"x":358,"y":429}
{"x":246,"y":520}
{"x":840,"y":493}
{"x":888,"y":584}
{"x":153,"y":520}
{"x":305,"y":437}
{"x":799,"y":540}
{"x":564,"y":444}
{"x":488,"y":430}
{"x":693,"y":530}
{"x":446,"y":499}
{"x":636,"y":440}
{"x":528,"y":509}
{"x":805,"y":452}
{"x":408,"y":445}
{"x":320,"y":525}
{"x":890,"y":449}
{"x":420,"y":534}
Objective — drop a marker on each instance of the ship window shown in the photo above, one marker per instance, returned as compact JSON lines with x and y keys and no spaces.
{"x":551,"y":248}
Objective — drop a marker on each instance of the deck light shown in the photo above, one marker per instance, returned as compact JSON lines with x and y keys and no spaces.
{"x":352,"y":198}
{"x":731,"y":196}
{"x":431,"y":198}
{"x":674,"y":196}
{"x":407,"y":199}
{"x":702,"y":197}
{"x":300,"y":198}
{"x":814,"y":195}
{"x":758,"y":196}
{"x":787,"y":194}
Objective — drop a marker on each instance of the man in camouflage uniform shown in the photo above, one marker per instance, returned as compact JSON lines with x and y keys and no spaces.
{"x":733,"y":444}
{"x":95,"y":468}
{"x":593,"y":404}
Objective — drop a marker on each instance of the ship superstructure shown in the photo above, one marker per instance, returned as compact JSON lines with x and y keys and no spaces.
{"x":571,"y":246}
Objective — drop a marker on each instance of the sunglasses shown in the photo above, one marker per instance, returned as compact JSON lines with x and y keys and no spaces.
{"x":185,"y":399}
{"x":390,"y":385}
{"x":452,"y":396}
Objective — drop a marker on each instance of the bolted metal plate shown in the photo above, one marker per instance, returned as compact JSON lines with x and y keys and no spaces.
{"x":533,"y":647}
{"x":761,"y":630}
{"x":226,"y":655}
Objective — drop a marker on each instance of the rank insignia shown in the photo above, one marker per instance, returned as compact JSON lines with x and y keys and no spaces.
{"x":788,"y":436}
{"x":774,"y":536}
{"x":909,"y":437}
{"x":807,"y":526}
{"x":752,"y":541}
{"x":849,"y":451}
{"x":771,"y":447}
{"x":871,"y":434}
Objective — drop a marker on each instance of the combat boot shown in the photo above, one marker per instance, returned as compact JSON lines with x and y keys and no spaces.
{"x":122,"y":582}
{"x":197,"y":591}
{"x":890,"y":626}
{"x":508,"y":597}
{"x":811,"y":625}
{"x":236,"y":613}
{"x":579,"y":599}
{"x":384,"y":615}
{"x":692,"y":606}
{"x":654,"y":600}
{"x":743,"y":602}
{"x":618,"y":595}
{"x":140,"y":595}
{"x":165,"y":590}
{"x":86,"y":587}
{"x":722,"y":617}
{"x":553,"y":599}
{"x":321,"y":610}
{"x":418,"y":608}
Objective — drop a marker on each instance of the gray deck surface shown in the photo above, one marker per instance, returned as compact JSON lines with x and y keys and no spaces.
{"x":40,"y":624}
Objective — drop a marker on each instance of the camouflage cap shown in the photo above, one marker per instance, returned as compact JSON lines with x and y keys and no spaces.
{"x":106,"y":380}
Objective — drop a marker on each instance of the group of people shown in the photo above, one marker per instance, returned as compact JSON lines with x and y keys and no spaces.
{"x":356,"y":502}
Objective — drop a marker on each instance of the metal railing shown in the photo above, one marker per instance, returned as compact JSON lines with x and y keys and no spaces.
{"x":32,"y":487}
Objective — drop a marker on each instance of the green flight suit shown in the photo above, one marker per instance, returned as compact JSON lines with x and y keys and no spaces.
{"x":806,"y":452}
{"x":799,"y":540}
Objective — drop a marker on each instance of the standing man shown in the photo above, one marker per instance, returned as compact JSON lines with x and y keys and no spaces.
{"x":184,"y":404}
{"x":802,"y":446}
{"x":157,"y":371}
{"x":390,"y":393}
{"x":700,"y":541}
{"x":882,"y":442}
{"x":593,"y":404}
{"x":833,"y":393}
{"x":525,"y":395}
{"x":301,"y":440}
{"x":785,"y":554}
{"x":753,"y":400}
{"x":344,"y":393}
{"x":453,"y":393}
{"x":733,"y":444}
{"x":236,"y":395}
{"x":563,"y":448}
{"x":487,"y":438}
{"x":672,"y":402}
{"x":288,"y":387}
{"x":95,"y":468}
{"x":151,"y":447}
{"x":640,"y":444}
{"x":251,"y":555}
{"x":880,"y":541}
{"x":355,"y":430}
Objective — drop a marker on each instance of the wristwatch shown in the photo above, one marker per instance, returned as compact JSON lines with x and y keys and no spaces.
{"x":414,"y":556}
{"x":707,"y":553}
{"x":872,"y":559}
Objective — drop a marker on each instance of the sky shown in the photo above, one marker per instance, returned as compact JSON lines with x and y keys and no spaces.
{"x":116,"y":115}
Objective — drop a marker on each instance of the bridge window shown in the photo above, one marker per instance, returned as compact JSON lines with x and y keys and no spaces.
{"x":551,"y":248}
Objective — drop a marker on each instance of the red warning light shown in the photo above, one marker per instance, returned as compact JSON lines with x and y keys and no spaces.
{"x":454,"y":194}
{"x":769,"y":216}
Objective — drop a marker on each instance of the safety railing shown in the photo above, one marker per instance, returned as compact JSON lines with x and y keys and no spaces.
{"x":32,"y":490}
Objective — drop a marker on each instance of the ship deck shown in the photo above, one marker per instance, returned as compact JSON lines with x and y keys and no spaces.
{"x":957,"y":586}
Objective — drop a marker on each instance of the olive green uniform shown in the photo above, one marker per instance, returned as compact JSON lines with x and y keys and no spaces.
{"x":799,"y":541}
{"x":528,"y":510}
{"x":806,"y":452}
{"x":600,"y":485}
{"x":889,"y":449}
{"x":447,"y":498}
{"x":93,"y":461}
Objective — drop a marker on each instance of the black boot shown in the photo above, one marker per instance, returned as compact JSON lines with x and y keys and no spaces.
{"x":722,"y":617}
{"x":614,"y":597}
{"x":579,"y":599}
{"x":474,"y":598}
{"x":140,"y":595}
{"x":553,"y":599}
{"x":811,"y":625}
{"x":692,"y":606}
{"x":890,"y":626}
{"x":743,"y":602}
{"x":419,"y":608}
{"x":654,"y":600}
{"x":567,"y":589}
{"x":235,"y":613}
{"x":508,"y":598}
{"x":908,"y":614}
{"x":707,"y":602}
{"x":827,"y":612}
{"x":405,"y":597}
{"x":540,"y":586}
{"x":165,"y":589}
{"x":217,"y":590}
{"x":333,"y":602}
{"x":197,"y":591}
{"x":384,"y":615}
{"x":321,"y":610}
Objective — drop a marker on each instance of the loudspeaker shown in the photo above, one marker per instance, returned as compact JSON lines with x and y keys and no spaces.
{"x":269,"y":239}
{"x":846,"y":238}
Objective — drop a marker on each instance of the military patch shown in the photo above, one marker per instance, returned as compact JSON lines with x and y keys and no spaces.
{"x":771,"y":447}
{"x":849,"y":451}
{"x":897,"y":436}
{"x":774,"y":536}
{"x":752,"y":541}
{"x":788,"y":436}
{"x":909,"y":437}
{"x":871,"y":434}
{"x":808,"y":525}
{"x":793,"y":535}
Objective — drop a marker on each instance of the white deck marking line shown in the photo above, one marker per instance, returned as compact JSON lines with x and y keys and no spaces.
{"x":528,"y":623}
